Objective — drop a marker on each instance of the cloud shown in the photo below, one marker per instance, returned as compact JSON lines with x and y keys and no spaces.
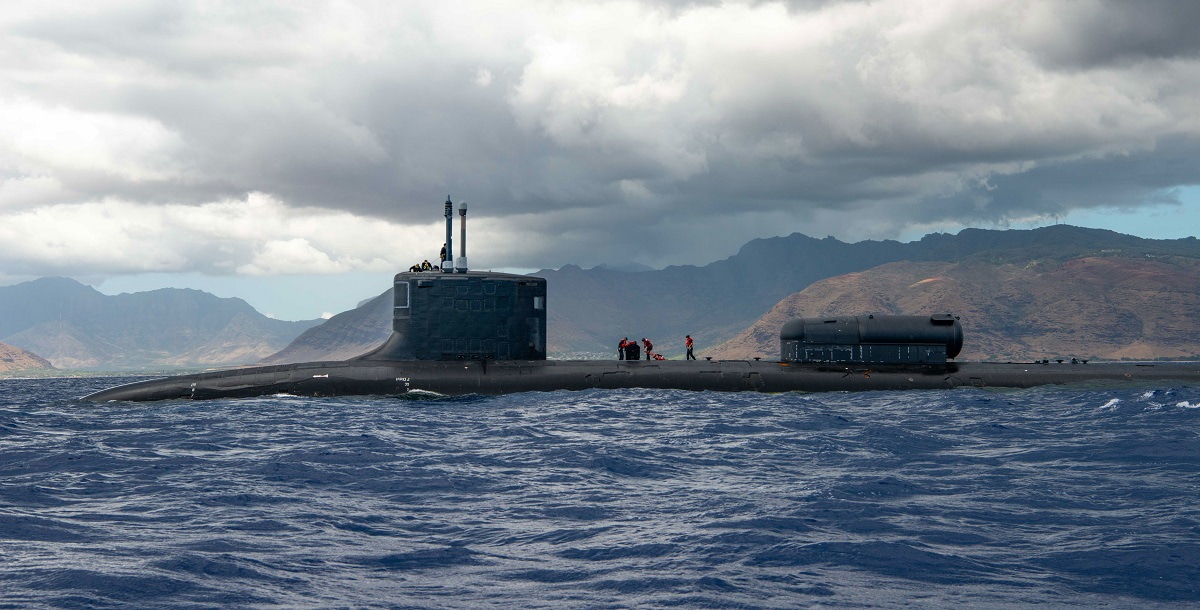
{"x":270,"y":138}
{"x":257,"y":235}
{"x":49,"y":145}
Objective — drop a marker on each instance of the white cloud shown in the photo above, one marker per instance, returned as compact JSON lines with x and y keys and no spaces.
{"x":40,"y":139}
{"x":483,"y":77}
{"x":269,"y":137}
{"x":29,"y":191}
{"x":255,"y":236}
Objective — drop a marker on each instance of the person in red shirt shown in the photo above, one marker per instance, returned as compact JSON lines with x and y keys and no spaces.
{"x":621,"y":348}
{"x":688,"y":342}
{"x":648,"y":346}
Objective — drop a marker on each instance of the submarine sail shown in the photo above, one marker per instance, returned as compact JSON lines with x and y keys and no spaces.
{"x":466,"y":316}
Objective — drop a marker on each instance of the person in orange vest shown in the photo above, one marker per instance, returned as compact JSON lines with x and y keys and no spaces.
{"x":648,"y":346}
{"x":621,"y":348}
{"x":688,"y":343}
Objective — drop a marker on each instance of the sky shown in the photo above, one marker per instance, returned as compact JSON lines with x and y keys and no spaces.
{"x":298,"y":154}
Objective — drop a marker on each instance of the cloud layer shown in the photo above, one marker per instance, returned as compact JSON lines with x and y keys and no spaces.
{"x":269,"y":138}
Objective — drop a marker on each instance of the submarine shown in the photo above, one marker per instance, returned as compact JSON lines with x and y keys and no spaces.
{"x":456,"y":331}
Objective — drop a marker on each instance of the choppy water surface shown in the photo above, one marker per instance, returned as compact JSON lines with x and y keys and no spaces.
{"x":1052,"y":497}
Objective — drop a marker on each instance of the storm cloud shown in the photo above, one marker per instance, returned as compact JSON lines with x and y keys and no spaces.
{"x":260,"y":138}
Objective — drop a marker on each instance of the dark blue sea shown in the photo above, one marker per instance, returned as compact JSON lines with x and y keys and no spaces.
{"x":602,"y":499}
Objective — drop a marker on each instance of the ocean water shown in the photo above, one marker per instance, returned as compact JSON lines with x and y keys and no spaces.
{"x":602,"y":499}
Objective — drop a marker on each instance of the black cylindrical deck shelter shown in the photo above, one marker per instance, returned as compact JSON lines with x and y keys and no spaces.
{"x":872,"y":339}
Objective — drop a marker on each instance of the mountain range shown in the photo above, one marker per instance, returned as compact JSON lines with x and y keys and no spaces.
{"x":1113,"y":307}
{"x":1056,"y":290}
{"x":74,"y":326}
{"x":1034,"y":276}
{"x":591,"y":309}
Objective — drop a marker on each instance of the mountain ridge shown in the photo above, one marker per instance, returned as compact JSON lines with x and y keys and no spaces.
{"x":74,"y":326}
{"x":589,"y":310}
{"x":1092,"y":307}
{"x":346,"y":335}
{"x":14,"y":360}
{"x":599,"y":306}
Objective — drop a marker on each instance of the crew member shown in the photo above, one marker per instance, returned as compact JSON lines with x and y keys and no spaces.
{"x":688,"y":343}
{"x":426,"y":266}
{"x":443,"y":252}
{"x":621,"y":348}
{"x":648,"y":346}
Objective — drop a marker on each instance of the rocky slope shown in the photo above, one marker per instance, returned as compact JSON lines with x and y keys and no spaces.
{"x":15,"y":359}
{"x":593,"y":308}
{"x":1091,"y":307}
{"x":346,"y":335}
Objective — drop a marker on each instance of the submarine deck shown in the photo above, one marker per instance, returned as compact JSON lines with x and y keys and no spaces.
{"x":363,"y":377}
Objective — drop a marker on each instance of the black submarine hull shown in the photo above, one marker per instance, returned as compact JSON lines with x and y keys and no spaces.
{"x":454,"y":378}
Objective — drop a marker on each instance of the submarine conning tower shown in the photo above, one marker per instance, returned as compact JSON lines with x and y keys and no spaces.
{"x":872,"y":339}
{"x":452,"y":313}
{"x":471,"y":315}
